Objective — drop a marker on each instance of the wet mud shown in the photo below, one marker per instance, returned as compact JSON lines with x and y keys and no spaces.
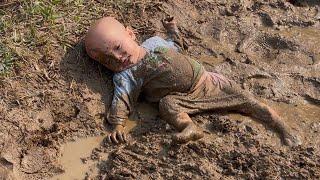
{"x":270,"y":48}
{"x":74,"y":158}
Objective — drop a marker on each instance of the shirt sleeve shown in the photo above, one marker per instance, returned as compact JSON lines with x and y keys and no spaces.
{"x":126,"y":91}
{"x":154,"y":42}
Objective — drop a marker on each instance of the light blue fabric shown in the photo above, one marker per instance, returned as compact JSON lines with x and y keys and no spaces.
{"x":125,"y":83}
{"x":152,"y":43}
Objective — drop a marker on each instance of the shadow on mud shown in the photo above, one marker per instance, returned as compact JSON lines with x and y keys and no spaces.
{"x":305,"y":2}
{"x":87,"y":77}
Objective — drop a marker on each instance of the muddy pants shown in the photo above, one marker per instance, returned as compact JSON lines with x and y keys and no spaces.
{"x":212,"y":92}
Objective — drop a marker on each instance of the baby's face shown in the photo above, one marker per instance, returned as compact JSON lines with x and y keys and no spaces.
{"x":121,"y":49}
{"x":113,"y":45}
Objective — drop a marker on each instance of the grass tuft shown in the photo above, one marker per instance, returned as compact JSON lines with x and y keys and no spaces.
{"x":44,"y":9}
{"x":7,"y":60}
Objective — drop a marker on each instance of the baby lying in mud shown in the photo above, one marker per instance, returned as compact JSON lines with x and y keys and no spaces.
{"x":180,"y":84}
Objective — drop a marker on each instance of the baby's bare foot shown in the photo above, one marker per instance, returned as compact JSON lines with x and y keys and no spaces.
{"x":190,"y":133}
{"x":291,"y":140}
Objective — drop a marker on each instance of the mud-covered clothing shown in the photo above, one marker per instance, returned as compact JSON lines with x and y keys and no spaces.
{"x":213,"y":92}
{"x":180,"y":84}
{"x":161,"y":72}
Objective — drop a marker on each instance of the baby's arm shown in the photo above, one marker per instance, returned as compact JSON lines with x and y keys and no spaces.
{"x":174,"y":34}
{"x":125,"y":95}
{"x":174,"y":42}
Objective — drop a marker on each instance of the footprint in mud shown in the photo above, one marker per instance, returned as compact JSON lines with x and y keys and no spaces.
{"x":292,"y":48}
{"x":265,"y":47}
{"x":266,"y":19}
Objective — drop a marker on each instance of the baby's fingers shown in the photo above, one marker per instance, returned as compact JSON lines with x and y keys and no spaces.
{"x":114,"y":138}
{"x":124,"y":137}
{"x":120,"y":136}
{"x":166,"y":21}
{"x":109,"y":138}
{"x":169,"y":19}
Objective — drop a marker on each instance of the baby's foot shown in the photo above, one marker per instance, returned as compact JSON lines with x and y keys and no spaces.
{"x":190,"y":133}
{"x":291,"y":140}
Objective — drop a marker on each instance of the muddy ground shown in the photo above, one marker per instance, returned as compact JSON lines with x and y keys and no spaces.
{"x":55,"y":93}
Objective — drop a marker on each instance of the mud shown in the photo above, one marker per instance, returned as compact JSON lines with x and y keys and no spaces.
{"x":234,"y":147}
{"x":270,"y":48}
{"x":73,"y":159}
{"x":79,"y":158}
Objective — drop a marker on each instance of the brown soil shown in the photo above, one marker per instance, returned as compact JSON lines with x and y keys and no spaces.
{"x":271,"y":48}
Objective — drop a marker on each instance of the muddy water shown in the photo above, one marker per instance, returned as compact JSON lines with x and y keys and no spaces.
{"x":303,"y":118}
{"x":71,"y":157}
{"x":73,"y":152}
{"x":304,"y":113}
{"x":292,"y":114}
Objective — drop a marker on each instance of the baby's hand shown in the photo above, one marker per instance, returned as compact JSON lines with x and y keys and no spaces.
{"x":170,"y":25}
{"x":118,"y":135}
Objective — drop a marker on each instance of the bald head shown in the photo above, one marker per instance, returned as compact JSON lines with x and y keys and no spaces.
{"x":96,"y":41}
{"x":113,"y":45}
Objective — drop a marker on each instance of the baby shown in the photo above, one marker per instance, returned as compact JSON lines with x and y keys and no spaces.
{"x":180,"y":84}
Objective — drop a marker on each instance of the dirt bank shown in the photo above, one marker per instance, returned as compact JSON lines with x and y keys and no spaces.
{"x":55,"y":93}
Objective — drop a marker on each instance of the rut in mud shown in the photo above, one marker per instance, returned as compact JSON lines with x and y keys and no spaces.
{"x":269,"y":47}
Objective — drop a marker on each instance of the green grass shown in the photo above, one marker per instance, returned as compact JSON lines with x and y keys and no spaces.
{"x":31,"y":29}
{"x":7,"y":60}
{"x":43,"y":11}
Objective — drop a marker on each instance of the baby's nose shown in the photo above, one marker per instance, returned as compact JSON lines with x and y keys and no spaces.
{"x":117,"y":56}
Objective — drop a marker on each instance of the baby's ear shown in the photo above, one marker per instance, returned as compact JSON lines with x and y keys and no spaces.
{"x":131,"y":33}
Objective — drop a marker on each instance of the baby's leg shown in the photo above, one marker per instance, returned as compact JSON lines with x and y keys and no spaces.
{"x":232,"y":97}
{"x":268,"y":116}
{"x":169,"y":111}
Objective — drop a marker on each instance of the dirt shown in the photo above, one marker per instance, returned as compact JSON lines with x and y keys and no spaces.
{"x":270,"y":48}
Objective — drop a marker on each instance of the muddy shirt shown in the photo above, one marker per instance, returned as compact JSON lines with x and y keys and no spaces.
{"x":161,"y":72}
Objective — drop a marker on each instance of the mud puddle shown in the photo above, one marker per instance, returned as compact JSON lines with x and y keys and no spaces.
{"x":293,"y":114}
{"x":303,"y":118}
{"x":72,"y":155}
{"x":74,"y":159}
{"x":75,"y":156}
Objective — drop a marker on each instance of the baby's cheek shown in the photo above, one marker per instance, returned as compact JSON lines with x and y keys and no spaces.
{"x":131,"y":48}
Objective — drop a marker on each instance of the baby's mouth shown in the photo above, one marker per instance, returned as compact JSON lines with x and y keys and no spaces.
{"x":126,"y":61}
